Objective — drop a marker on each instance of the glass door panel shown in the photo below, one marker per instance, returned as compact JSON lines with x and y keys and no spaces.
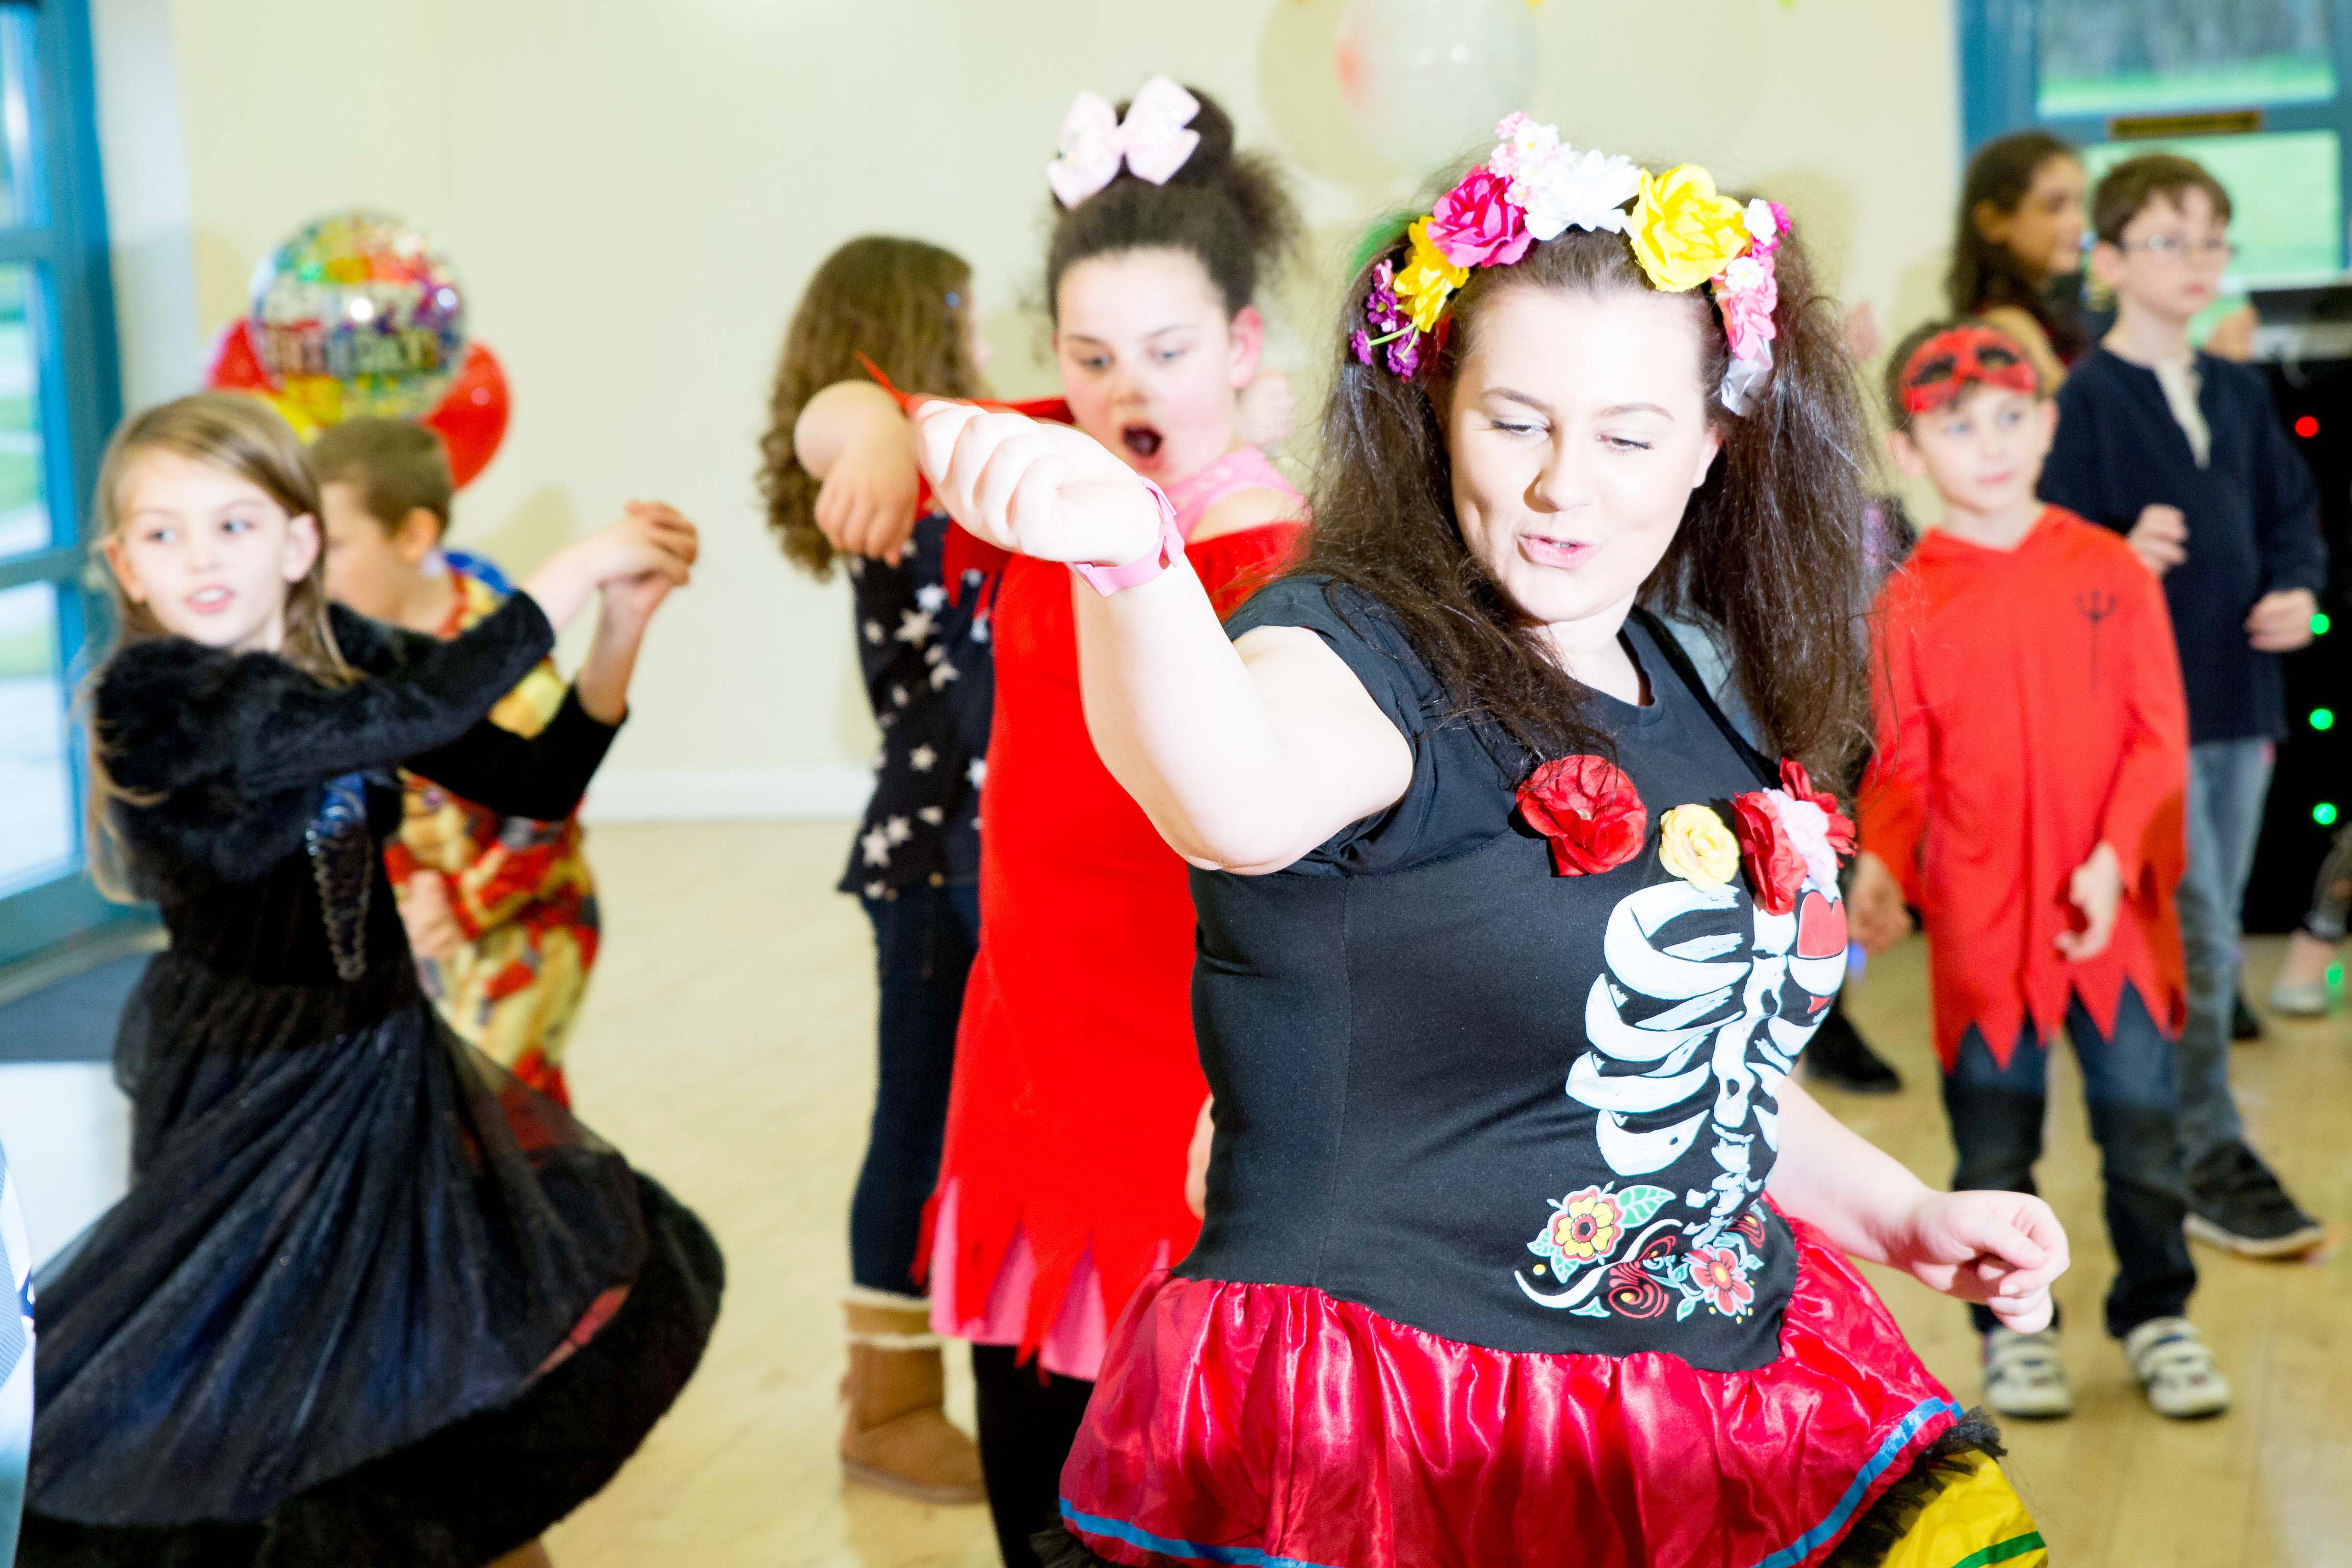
{"x":37,"y":837}
{"x":2144,"y":57}
{"x":2285,"y":196}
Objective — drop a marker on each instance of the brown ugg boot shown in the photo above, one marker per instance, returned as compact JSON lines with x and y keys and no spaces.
{"x":896,"y":1437}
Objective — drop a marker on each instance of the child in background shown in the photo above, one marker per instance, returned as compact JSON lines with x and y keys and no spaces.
{"x":2181,"y":452}
{"x":905,"y":307}
{"x":2026,"y":795}
{"x":2017,"y":248}
{"x":1078,"y":1086}
{"x":368,"y":1299}
{"x":501,"y":910}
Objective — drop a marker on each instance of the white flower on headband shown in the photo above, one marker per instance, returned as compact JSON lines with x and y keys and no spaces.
{"x":1744,"y":274}
{"x":1763,"y":223}
{"x":1557,"y":187}
{"x":1151,"y":141}
{"x":1522,"y":142}
{"x":1577,"y":190}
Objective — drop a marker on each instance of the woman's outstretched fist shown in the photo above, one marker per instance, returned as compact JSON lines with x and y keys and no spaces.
{"x":1033,"y":488}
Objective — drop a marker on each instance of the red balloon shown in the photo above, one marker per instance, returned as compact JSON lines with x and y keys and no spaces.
{"x":234,"y":366}
{"x":472,"y":418}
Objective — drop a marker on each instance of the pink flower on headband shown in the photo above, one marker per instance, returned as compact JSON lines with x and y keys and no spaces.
{"x":1151,"y":142}
{"x":1747,"y":293}
{"x":1476,"y":223}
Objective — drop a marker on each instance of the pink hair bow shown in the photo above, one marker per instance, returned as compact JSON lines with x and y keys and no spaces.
{"x":1151,"y":141}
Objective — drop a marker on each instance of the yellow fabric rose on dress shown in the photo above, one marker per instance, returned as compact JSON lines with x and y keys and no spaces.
{"x":1427,"y":281}
{"x":1696,"y":846}
{"x":1683,"y":232}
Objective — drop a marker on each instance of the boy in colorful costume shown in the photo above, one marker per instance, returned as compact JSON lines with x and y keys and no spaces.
{"x":501,"y":910}
{"x":2026,"y":794}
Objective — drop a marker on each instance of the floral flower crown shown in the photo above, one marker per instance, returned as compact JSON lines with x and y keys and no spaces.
{"x":1535,"y":187}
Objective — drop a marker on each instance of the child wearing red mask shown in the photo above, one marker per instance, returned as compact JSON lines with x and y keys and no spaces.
{"x":2026,"y":794}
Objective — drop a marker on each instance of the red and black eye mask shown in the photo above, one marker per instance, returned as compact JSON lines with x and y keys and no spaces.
{"x":1939,"y":368}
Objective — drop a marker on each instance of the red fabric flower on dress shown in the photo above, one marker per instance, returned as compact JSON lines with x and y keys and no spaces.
{"x":1589,"y":809}
{"x":1800,"y":785}
{"x":1775,"y":867}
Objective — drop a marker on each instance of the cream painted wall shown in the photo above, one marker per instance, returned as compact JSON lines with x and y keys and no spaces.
{"x":635,"y":196}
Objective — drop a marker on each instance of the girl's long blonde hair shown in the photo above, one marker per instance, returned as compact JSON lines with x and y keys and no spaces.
{"x":239,"y":435}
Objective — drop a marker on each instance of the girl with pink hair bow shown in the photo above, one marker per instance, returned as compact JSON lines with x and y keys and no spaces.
{"x":1077,"y":1087}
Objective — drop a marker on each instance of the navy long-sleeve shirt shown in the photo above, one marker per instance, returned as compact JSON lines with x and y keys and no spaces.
{"x":2252,"y":514}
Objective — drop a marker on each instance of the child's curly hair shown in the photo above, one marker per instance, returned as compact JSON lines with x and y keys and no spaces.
{"x":902,"y":303}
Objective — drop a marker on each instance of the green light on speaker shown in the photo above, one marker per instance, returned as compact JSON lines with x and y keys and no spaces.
{"x":2324,"y":814}
{"x":2322,"y":717}
{"x":2320,"y":623}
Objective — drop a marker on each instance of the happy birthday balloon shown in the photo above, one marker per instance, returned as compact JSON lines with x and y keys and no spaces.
{"x":358,"y":313}
{"x":1426,"y":80}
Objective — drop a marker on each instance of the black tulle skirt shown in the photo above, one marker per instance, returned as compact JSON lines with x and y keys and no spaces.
{"x":369,"y":1301}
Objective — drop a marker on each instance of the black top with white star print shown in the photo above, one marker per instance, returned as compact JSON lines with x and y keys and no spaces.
{"x":930,"y":678}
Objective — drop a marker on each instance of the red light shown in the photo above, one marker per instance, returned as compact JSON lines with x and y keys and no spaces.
{"x":2306,"y":427}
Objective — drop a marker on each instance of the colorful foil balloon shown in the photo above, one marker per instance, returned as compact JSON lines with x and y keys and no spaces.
{"x":358,"y":313}
{"x":235,"y":366}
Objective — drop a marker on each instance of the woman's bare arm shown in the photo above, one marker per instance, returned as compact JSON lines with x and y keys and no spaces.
{"x":1245,"y":757}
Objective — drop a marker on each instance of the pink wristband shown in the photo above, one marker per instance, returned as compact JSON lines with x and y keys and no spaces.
{"x":1109,"y":580}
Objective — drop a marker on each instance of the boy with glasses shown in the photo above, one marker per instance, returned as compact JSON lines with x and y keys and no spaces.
{"x":2182,"y":453}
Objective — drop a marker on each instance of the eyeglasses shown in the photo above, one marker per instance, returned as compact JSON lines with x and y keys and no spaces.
{"x":2173,"y":247}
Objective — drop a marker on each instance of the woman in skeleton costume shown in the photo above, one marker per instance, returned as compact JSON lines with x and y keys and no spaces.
{"x":1522,"y":1244}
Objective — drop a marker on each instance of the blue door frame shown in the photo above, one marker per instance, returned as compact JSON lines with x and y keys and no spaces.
{"x":61,"y":241}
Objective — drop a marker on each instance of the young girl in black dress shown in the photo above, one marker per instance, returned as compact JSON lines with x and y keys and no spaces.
{"x":1523,"y":1245}
{"x":368,"y":1299}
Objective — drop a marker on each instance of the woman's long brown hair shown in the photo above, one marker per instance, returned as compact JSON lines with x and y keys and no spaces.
{"x":239,"y":435}
{"x":902,"y":303}
{"x":1984,"y":273}
{"x":1770,"y":552}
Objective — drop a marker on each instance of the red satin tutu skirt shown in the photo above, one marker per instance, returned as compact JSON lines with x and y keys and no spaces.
{"x":1274,"y":1426}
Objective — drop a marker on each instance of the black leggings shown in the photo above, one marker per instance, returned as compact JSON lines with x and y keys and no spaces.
{"x":1029,"y":1418}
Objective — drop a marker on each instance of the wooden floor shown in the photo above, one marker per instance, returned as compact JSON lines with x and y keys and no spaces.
{"x":728,"y":1048}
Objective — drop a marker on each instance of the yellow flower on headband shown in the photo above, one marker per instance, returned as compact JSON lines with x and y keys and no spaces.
{"x":1683,"y":232}
{"x":1427,"y":281}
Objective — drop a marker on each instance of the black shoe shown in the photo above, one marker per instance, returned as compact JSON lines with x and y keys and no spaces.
{"x":1840,"y":1057}
{"x":2244,"y":1025}
{"x":2236,"y":1202}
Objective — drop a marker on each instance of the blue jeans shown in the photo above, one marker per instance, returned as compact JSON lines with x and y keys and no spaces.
{"x":1997,"y":1117}
{"x":2229,"y":783}
{"x":924,"y":939}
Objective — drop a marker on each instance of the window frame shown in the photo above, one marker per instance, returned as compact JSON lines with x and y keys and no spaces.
{"x":62,"y":243}
{"x":1998,"y":50}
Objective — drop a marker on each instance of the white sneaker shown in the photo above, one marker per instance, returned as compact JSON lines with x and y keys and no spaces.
{"x":2024,"y":1376}
{"x":2176,"y":1370}
{"x":2299,"y":1001}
